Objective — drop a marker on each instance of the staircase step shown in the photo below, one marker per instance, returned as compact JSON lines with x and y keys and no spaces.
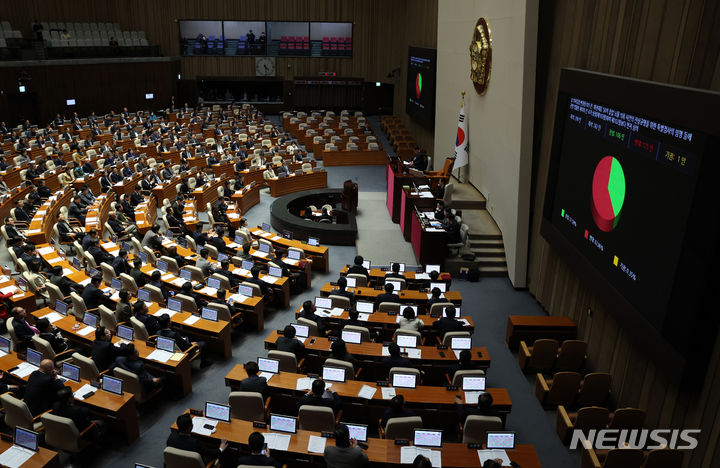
{"x":493,"y":271}
{"x":468,"y":204}
{"x":484,"y":236}
{"x":487,"y":252}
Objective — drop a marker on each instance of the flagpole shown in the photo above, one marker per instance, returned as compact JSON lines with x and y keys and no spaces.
{"x":462,"y":106}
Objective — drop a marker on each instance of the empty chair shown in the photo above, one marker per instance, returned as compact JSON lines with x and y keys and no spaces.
{"x":155,"y":293}
{"x":108,"y":272}
{"x":139,"y":330}
{"x":17,"y":413}
{"x":312,"y":326}
{"x":475,"y":428}
{"x":107,"y":318}
{"x":627,"y":418}
{"x":248,"y":406}
{"x":364,"y":331}
{"x":79,"y":308}
{"x":401,"y":428}
{"x":615,"y":458}
{"x":128,"y":283}
{"x":586,"y":419}
{"x":288,"y":361}
{"x":571,"y":356}
{"x":316,"y":418}
{"x":188,"y":303}
{"x":539,"y":357}
{"x":350,"y":373}
{"x":131,"y":384}
{"x":177,"y":458}
{"x":562,"y":389}
{"x":447,"y":337}
{"x":88,"y":369}
{"x":361,"y":280}
{"x":405,"y":370}
{"x":594,"y":390}
{"x":62,"y":434}
{"x":457,"y":377}
{"x":341,"y":302}
{"x":45,"y":348}
{"x":389,"y":307}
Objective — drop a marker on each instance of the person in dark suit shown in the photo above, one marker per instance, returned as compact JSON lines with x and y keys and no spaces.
{"x":452,"y":230}
{"x":255,"y":272}
{"x":395,"y":272}
{"x":42,"y":388}
{"x":182,"y":439}
{"x":129,"y":360}
{"x":253,"y":383}
{"x":440,"y":210}
{"x":120,"y":263}
{"x":484,"y":407}
{"x":105,"y":182}
{"x":23,"y":330}
{"x":308,"y":312}
{"x":388,"y":295}
{"x":396,"y":410}
{"x":80,"y":415}
{"x":289,"y":343}
{"x":256,"y":444}
{"x":340,"y":291}
{"x":151,"y":323}
{"x":464,"y":363}
{"x":338,"y":350}
{"x":435,"y":299}
{"x":136,"y":274}
{"x":75,"y":210}
{"x":66,"y":232}
{"x":103,"y":351}
{"x":358,"y":267}
{"x":11,"y":230}
{"x":137,"y":197}
{"x":88,"y":238}
{"x":155,"y":280}
{"x":98,"y":254}
{"x":58,"y":279}
{"x":318,"y":396}
{"x":395,"y":359}
{"x":217,"y":241}
{"x":20,"y":213}
{"x":182,"y":341}
{"x":421,"y":160}
{"x":51,"y":335}
{"x":448,"y":323}
{"x":152,"y":239}
{"x":224,"y":270}
{"x":93,"y":296}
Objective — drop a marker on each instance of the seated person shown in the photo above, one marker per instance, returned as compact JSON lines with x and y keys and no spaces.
{"x":435,"y":293}
{"x":288,"y":343}
{"x":253,"y":383}
{"x":395,"y":272}
{"x":338,"y":350}
{"x":255,"y":273}
{"x":182,"y":439}
{"x":151,"y":323}
{"x":464,"y":363}
{"x":187,"y":290}
{"x":395,"y":359}
{"x":308,"y":312}
{"x":129,"y":360}
{"x":155,"y":280}
{"x":42,"y":388}
{"x":345,"y":453}
{"x":256,"y":444}
{"x":80,"y":415}
{"x":340,"y":291}
{"x":181,"y":341}
{"x":388,"y":295}
{"x":318,"y":396}
{"x":484,"y":408}
{"x":358,"y":267}
{"x":396,"y":410}
{"x":173,"y":253}
{"x":93,"y":296}
{"x":440,"y":210}
{"x":137,"y":274}
{"x":204,"y":263}
{"x":103,"y":351}
{"x":51,"y":335}
{"x":221,"y":299}
{"x":448,"y":323}
{"x":409,"y":321}
{"x":224,"y":270}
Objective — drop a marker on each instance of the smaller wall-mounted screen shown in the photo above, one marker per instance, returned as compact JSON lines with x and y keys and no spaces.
{"x":245,"y":37}
{"x":335,"y":39}
{"x":420,"y":93}
{"x":200,"y":37}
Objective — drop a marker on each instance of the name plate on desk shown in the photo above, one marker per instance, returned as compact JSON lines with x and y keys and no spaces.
{"x":475,"y":446}
{"x":259,"y":425}
{"x":383,"y":383}
{"x":196,"y":412}
{"x":442,"y":346}
{"x":327,"y":435}
{"x":402,"y":442}
{"x":451,"y":387}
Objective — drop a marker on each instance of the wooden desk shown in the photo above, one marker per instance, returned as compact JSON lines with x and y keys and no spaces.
{"x":377,"y":277}
{"x":9,"y":203}
{"x":146,"y":214}
{"x":98,"y":213}
{"x":50,"y":179}
{"x":381,"y":452}
{"x":425,"y":400}
{"x":207,"y":193}
{"x":317,"y":254}
{"x":297,"y":183}
{"x":407,"y":296}
{"x":226,"y":169}
{"x":249,"y":197}
{"x":40,"y":229}
{"x":12,"y":174}
{"x":256,"y":175}
{"x":43,"y":458}
{"x":168,"y":188}
{"x":112,"y":407}
{"x":529,"y":328}
{"x":408,"y":203}
{"x":354,"y":158}
{"x":126,"y":187}
{"x":26,"y":299}
{"x":92,"y":181}
{"x":395,"y":181}
{"x":429,"y":246}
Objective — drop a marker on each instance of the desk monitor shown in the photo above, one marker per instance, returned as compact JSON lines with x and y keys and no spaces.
{"x":402,"y":266}
{"x":333,"y":374}
{"x":287,"y":235}
{"x":402,"y":380}
{"x":112,"y":385}
{"x":209,"y":314}
{"x":501,"y":440}
{"x":61,"y":307}
{"x":222,"y":257}
{"x":93,"y":272}
{"x":264,"y":247}
{"x":126,"y":247}
{"x":124,"y":332}
{"x":143,"y":257}
{"x":397,"y":285}
{"x":175,"y":305}
{"x":301,"y":331}
{"x":214,"y":283}
{"x":357,"y":431}
{"x":116,"y":284}
{"x":366,"y":264}
{"x":245,"y":290}
{"x":182,"y":242}
{"x":4,"y":345}
{"x":351,"y":282}
{"x":406,"y":341}
{"x":70,"y":372}
{"x":26,"y":438}
{"x":313,"y":241}
{"x":91,"y":320}
{"x":144,"y":295}
{"x":239,"y":239}
{"x":162,"y":266}
{"x":217,"y":411}
{"x":323,"y":302}
{"x":283,"y":423}
{"x":275,"y":271}
{"x":247,"y":265}
{"x":430,"y":268}
{"x":349,"y":336}
{"x":266,"y":227}
{"x":77,"y":263}
{"x":165,"y":344}
{"x":473,"y":384}
{"x":461,"y":342}
{"x":268,"y":365}
{"x":186,"y":274}
{"x":21,"y":283}
{"x":69,"y":102}
{"x":33,"y":357}
{"x":441,"y":286}
{"x":365,"y":307}
{"x":294,"y":254}
{"x":427,"y":438}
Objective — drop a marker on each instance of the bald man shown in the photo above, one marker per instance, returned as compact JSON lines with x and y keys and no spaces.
{"x":41,"y":391}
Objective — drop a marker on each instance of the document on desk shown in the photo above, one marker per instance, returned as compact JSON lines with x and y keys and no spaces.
{"x":52,"y":317}
{"x":388,"y":393}
{"x":336,"y":312}
{"x":363,"y":317}
{"x":160,"y":355}
{"x":241,"y":272}
{"x":457,"y":353}
{"x":166,"y":276}
{"x":267,"y":375}
{"x":385,"y":351}
{"x":240,"y":298}
{"x":233,"y":245}
{"x":67,"y":271}
{"x":24,"y":369}
{"x":304,"y":383}
{"x":290,"y":261}
{"x":277,"y":441}
{"x":316,"y":444}
{"x":191,"y":320}
{"x":80,"y":393}
{"x":82,"y":283}
{"x":414,"y":353}
{"x":432,"y":229}
{"x":159,"y":312}
{"x":322,"y":313}
{"x":108,"y":245}
{"x":465,"y":321}
{"x":409,"y":453}
{"x":208,"y":290}
{"x":233,"y":215}
{"x":55,"y":260}
{"x":269,"y":279}
{"x":12,"y":289}
{"x":15,"y":456}
{"x":260,"y":254}
{"x":422,"y":276}
{"x":46,"y":250}
{"x":367,"y":392}
{"x":199,"y":424}
{"x":85,"y":331}
{"x":471,"y":398}
{"x":485,"y":455}
{"x":178,"y":281}
{"x":275,"y":238}
{"x":442,"y":296}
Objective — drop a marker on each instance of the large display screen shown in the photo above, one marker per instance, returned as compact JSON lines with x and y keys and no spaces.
{"x":622,"y":199}
{"x":420,"y":93}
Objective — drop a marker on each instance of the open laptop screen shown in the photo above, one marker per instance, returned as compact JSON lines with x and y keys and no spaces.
{"x":501,"y":440}
{"x":70,"y":372}
{"x":333,"y":374}
{"x":353,"y":337}
{"x":473,"y":384}
{"x":268,"y":365}
{"x":460,"y":342}
{"x":427,"y":438}
{"x":283,"y":423}
{"x":401,"y":380}
{"x":217,"y":411}
{"x":26,"y":439}
{"x":112,"y":385}
{"x":301,"y":331}
{"x":357,"y":431}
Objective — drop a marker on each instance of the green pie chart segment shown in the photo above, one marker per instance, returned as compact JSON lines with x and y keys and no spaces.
{"x":608,"y":193}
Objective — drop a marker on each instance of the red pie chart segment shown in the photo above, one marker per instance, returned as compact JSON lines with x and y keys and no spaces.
{"x":608,"y":193}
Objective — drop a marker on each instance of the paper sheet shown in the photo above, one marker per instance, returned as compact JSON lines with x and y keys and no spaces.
{"x":159,"y":312}
{"x":208,"y":291}
{"x":290,"y":261}
{"x":55,"y":260}
{"x":385,"y":351}
{"x":191,"y":320}
{"x":84,"y":282}
{"x":238,"y":298}
{"x":177,"y":356}
{"x":269,"y":279}
{"x":409,"y":453}
{"x":52,"y":317}
{"x":485,"y":455}
{"x":46,"y":250}
{"x":24,"y":369}
{"x":260,"y":254}
{"x":86,"y":331}
{"x":304,"y":383}
{"x":241,"y":272}
{"x":336,"y":312}
{"x":15,"y":456}
{"x":198,"y":425}
{"x":363,"y":317}
{"x":267,"y":375}
{"x":277,"y":441}
{"x":316,"y":444}
{"x":388,"y":393}
{"x":178,"y":282}
{"x":422,"y":276}
{"x":414,"y":353}
{"x":442,"y":296}
{"x":471,"y":398}
{"x":457,"y":353}
{"x":12,"y":289}
{"x":160,"y":355}
{"x":367,"y":392}
{"x":78,"y":394}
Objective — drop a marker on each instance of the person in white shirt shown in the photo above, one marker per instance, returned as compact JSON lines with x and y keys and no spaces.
{"x":409,"y":321}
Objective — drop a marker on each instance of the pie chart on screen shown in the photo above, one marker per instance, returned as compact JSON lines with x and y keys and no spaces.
{"x":608,"y":193}
{"x":418,"y":85}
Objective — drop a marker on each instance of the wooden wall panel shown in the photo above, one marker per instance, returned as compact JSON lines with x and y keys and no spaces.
{"x":672,"y":41}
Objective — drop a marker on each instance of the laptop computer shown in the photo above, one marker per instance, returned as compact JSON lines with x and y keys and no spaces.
{"x":33,"y":357}
{"x":143,"y":257}
{"x":175,"y":305}
{"x":70,"y":372}
{"x":214,"y":283}
{"x":461,"y":342}
{"x":186,"y":274}
{"x":500,"y":440}
{"x":349,"y":336}
{"x":124,"y":332}
{"x":301,"y":331}
{"x":473,"y":384}
{"x":162,"y":266}
{"x":247,"y":265}
{"x":364,"y":307}
{"x":313,"y":241}
{"x":116,"y":284}
{"x":402,"y":380}
{"x":91,"y":320}
{"x":61,"y":307}
{"x":323,"y":302}
{"x":144,"y":295}
{"x":4,"y":345}
{"x":264,"y":248}
{"x":217,"y":411}
{"x":246,"y":290}
{"x":165,"y":344}
{"x":402,"y":267}
{"x":333,"y":374}
{"x":406,"y":341}
{"x":351,"y":282}
{"x":112,"y":385}
{"x":441,"y":286}
{"x":26,"y":438}
{"x":282,"y":423}
{"x":266,"y":227}
{"x":366,"y":264}
{"x":397,"y":285}
{"x":357,"y":431}
{"x":427,"y":438}
{"x":222,"y":257}
{"x":430,"y":268}
{"x":209,"y":314}
{"x":268,"y":365}
{"x":294,"y":254}
{"x":275,"y":271}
